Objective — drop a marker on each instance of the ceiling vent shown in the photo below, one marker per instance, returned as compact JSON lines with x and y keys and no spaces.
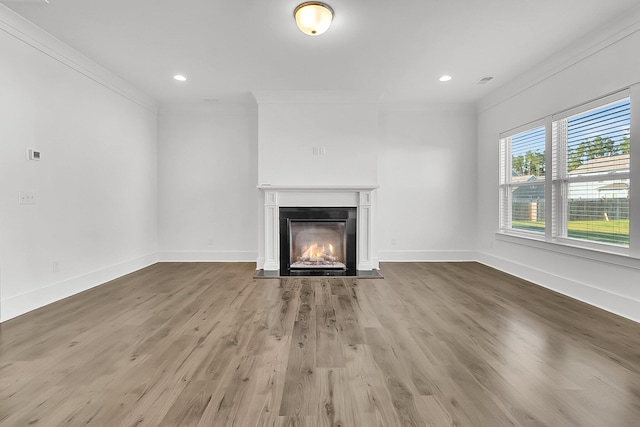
{"x":485,"y":80}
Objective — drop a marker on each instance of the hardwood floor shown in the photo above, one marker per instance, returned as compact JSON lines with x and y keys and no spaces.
{"x":205,"y":344}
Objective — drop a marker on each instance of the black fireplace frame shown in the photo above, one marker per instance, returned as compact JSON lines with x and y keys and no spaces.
{"x":321,"y":214}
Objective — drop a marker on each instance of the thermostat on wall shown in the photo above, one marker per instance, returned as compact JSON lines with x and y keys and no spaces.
{"x":34,"y":154}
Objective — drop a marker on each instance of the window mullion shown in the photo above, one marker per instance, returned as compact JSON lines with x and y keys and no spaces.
{"x":596,"y":178}
{"x":634,"y":190}
{"x":548,"y":180}
{"x":559,"y":193}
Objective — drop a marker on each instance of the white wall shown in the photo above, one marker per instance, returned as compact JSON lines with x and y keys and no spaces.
{"x":426,"y":172}
{"x":289,"y":131}
{"x":608,"y":281}
{"x":95,"y":216}
{"x":208,"y":200}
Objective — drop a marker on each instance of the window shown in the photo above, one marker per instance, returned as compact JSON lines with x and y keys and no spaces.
{"x":591,"y":148}
{"x":589,"y":180}
{"x":523,"y":180}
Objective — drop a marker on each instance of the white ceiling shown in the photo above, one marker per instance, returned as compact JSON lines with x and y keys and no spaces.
{"x":398,"y":49}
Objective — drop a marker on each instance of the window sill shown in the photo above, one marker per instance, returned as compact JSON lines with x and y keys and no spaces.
{"x":613,"y":255}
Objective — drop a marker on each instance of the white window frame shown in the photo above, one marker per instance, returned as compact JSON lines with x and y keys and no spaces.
{"x":555,"y":190}
{"x":505,"y":184}
{"x":560,"y":179}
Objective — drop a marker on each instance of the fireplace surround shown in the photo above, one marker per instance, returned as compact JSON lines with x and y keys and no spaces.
{"x":358,"y":197}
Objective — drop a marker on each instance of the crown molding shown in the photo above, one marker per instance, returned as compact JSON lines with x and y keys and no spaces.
{"x":467,"y":108}
{"x":316,"y":97}
{"x":40,"y":40}
{"x":218,"y":108}
{"x":576,"y":52}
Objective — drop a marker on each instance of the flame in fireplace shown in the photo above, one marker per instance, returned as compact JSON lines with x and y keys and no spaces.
{"x":317,"y":245}
{"x":318,"y":252}
{"x":314,"y":251}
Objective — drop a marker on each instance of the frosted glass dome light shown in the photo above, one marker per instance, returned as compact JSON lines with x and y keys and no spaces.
{"x":313,"y":18}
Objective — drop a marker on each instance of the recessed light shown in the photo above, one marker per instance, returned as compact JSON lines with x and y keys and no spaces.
{"x":180,"y":78}
{"x":445,"y":78}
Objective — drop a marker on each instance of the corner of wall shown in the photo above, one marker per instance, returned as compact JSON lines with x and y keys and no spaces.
{"x":24,"y":303}
{"x":617,"y":304}
{"x":37,"y":38}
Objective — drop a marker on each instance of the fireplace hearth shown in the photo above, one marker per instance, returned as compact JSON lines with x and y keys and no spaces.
{"x":318,"y":241}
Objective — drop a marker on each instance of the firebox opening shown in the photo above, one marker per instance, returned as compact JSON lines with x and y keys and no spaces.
{"x":318,"y":241}
{"x":318,"y":244}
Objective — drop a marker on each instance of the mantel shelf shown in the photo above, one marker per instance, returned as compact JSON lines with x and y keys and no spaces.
{"x":281,"y":187}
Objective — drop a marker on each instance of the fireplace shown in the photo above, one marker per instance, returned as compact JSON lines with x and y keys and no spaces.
{"x":318,"y":241}
{"x":295,"y":200}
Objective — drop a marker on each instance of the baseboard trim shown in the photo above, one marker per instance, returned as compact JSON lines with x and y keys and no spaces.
{"x":29,"y":301}
{"x":611,"y":302}
{"x":211,"y":256}
{"x":426,"y":256}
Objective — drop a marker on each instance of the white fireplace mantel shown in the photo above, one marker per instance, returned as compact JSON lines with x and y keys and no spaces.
{"x":359,"y":196}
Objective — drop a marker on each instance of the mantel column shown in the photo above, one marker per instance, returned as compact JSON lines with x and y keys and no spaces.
{"x":271,"y":231}
{"x":365,"y":261}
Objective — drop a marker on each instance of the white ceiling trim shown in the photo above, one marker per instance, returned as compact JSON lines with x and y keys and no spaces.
{"x":608,"y":35}
{"x":23,"y":30}
{"x":316,"y":97}
{"x":217,"y":108}
{"x":468,"y":107}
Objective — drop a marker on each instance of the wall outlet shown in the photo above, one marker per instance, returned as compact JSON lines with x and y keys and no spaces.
{"x":210,"y":241}
{"x":393,"y":242}
{"x":55,"y":266}
{"x":27,"y":198}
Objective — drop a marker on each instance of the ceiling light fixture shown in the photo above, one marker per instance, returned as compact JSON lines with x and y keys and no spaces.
{"x":445,"y":78}
{"x":313,"y":17}
{"x":180,"y":78}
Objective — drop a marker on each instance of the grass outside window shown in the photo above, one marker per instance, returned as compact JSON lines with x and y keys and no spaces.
{"x":613,"y":231}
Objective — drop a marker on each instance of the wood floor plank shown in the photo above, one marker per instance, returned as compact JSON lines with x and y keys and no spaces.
{"x":283,"y":319}
{"x":397,"y":382}
{"x":188,"y":408}
{"x":431,"y":344}
{"x":270,"y":379}
{"x":301,"y":382}
{"x":297,"y":421}
{"x":323,"y":291}
{"x":328,"y":345}
{"x":337,"y":401}
{"x":350,"y":331}
{"x":232,"y":395}
{"x":360,"y":292}
{"x":367,"y":386}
